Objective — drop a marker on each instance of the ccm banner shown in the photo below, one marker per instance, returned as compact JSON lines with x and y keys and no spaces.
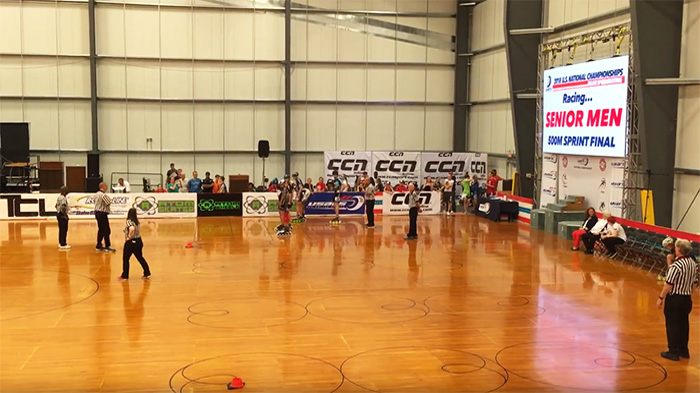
{"x":321,"y":204}
{"x":394,"y":166}
{"x":585,"y":108}
{"x":550,"y":175}
{"x":440,"y":164}
{"x":350,"y":163}
{"x":23,"y":206}
{"x":397,"y":203}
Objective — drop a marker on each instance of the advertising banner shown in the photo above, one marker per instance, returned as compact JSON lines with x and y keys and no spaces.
{"x":438,"y":165}
{"x":585,"y":108}
{"x":550,"y":176}
{"x":220,"y":205}
{"x":348,"y":162}
{"x":394,"y":166}
{"x":23,"y":206}
{"x":260,"y":204}
{"x":321,"y":204}
{"x":397,"y":203}
{"x":477,"y":164}
{"x":593,"y":178}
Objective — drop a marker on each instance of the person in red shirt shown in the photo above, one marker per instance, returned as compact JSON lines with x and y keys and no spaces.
{"x":492,"y":182}
{"x":321,"y":185}
{"x":160,"y":189}
{"x":401,"y":187}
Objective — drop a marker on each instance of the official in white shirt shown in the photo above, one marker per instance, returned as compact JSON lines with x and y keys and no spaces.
{"x":614,"y":236}
{"x":589,"y":239}
{"x":122,"y":186}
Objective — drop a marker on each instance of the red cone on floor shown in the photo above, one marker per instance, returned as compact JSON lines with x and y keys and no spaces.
{"x":188,"y":245}
{"x":236,"y":383}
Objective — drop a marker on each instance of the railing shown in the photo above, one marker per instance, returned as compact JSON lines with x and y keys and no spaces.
{"x":144,"y":181}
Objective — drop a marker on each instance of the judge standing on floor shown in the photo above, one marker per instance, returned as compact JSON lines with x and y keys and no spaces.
{"x":413,"y":210}
{"x":102,"y":210}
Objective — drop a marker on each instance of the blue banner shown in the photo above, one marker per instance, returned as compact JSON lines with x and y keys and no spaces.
{"x":321,"y":204}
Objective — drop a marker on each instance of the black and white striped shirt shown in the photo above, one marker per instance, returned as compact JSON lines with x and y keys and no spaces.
{"x":102,"y":202}
{"x":681,"y":274}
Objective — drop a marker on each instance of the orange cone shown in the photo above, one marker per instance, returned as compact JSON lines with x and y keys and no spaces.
{"x":236,"y":383}
{"x":188,"y":245}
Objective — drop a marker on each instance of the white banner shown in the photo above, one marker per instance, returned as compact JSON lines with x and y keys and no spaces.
{"x":28,"y":206}
{"x":550,"y":175}
{"x":350,"y":163}
{"x":438,"y":165}
{"x":599,"y":179}
{"x":260,"y":204}
{"x":396,"y":203}
{"x":585,"y":108}
{"x":397,"y":165}
{"x":477,"y":164}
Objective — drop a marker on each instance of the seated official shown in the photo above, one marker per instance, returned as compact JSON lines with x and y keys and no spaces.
{"x":588,"y":224}
{"x":591,"y":237}
{"x":613,"y":236}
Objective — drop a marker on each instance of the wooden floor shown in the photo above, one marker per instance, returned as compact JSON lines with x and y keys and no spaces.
{"x":472,"y":306}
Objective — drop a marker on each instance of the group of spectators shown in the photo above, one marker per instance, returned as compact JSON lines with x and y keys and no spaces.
{"x":177,"y":182}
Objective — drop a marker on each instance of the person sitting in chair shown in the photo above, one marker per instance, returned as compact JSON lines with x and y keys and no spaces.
{"x":591,"y":237}
{"x":614,"y":236}
{"x":588,"y":224}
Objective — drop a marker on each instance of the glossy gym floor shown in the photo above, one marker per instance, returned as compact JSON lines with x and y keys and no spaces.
{"x":471,"y":306}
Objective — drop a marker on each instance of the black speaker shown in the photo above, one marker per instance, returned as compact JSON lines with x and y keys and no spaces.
{"x":93,"y":167}
{"x":14,"y":142}
{"x":263,"y":149}
{"x":92,"y":184}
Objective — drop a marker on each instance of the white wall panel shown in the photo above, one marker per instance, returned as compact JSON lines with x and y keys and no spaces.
{"x":40,"y":77}
{"x":320,"y":127}
{"x":209,"y":127}
{"x":491,"y":128}
{"x":212,"y":163}
{"x":111,"y":118}
{"x":380,"y":128}
{"x":245,"y":164}
{"x":10,"y":76}
{"x":351,"y":131}
{"x":321,"y":83}
{"x":269,"y":36}
{"x":352,"y":46}
{"x":208,"y":81}
{"x":410,"y":126}
{"x":143,"y":122}
{"x":75,"y":125}
{"x":239,"y":81}
{"x":488,"y":76}
{"x":487,"y":27}
{"x":74,"y":78}
{"x":142,"y":27}
{"x":269,"y":82}
{"x":10,"y":30}
{"x":113,"y":162}
{"x":381,"y":84}
{"x":322,"y":42}
{"x":308,"y":165}
{"x":175,"y":33}
{"x":11,"y":110}
{"x":43,"y":116}
{"x":208,"y":34}
{"x":269,"y":125}
{"x":143,"y":79}
{"x":38,"y":29}
{"x":381,"y":49}
{"x":410,"y":84}
{"x":73,"y":31}
{"x":184,"y":161}
{"x":239,"y":127}
{"x":177,"y":122}
{"x":109,"y":30}
{"x":176,"y":80}
{"x":111,"y":79}
{"x":141,"y":163}
{"x":238,"y":37}
{"x":352,"y":84}
{"x":566,"y":11}
{"x":686,"y":187}
{"x":688,"y":129}
{"x":440,"y":84}
{"x":438,"y":128}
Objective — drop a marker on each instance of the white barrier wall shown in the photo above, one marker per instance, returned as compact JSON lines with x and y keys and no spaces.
{"x":37,"y":206}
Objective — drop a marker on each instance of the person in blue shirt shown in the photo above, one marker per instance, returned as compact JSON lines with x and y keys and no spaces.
{"x":195,"y":184}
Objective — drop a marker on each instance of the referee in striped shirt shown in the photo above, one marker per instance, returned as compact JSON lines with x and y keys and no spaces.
{"x":676,"y":301}
{"x":102,"y":203}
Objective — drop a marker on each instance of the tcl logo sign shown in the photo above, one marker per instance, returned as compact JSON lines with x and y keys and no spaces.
{"x":401,"y":198}
{"x":445,"y":166}
{"x":349,"y":165}
{"x":396,"y":166}
{"x":478,"y":167}
{"x":16,"y":202}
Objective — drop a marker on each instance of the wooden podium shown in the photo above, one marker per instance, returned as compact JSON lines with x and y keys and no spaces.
{"x":238,"y":183}
{"x":50,"y":176}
